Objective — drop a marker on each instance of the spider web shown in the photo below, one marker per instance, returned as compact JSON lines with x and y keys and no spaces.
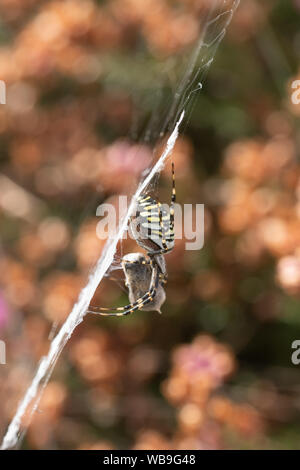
{"x":160,"y":124}
{"x":183,"y":92}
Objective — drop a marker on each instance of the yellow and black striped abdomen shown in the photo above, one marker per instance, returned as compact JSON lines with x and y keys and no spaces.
{"x":152,"y":225}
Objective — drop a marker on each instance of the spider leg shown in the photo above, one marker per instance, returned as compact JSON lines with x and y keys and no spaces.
{"x":137,"y":305}
{"x":170,"y":232}
{"x":173,"y":200}
{"x":163,"y":278}
{"x":162,"y":229}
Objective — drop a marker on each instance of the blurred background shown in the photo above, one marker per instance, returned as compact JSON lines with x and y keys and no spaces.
{"x":214,"y":371}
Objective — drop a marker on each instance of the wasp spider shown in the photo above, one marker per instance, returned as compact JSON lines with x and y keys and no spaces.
{"x":145,"y":276}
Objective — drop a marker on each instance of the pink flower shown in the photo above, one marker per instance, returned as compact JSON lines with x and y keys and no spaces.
{"x":124,"y":157}
{"x":205,"y":357}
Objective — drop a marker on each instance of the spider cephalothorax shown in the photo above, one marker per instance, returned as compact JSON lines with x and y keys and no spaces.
{"x":145,"y":276}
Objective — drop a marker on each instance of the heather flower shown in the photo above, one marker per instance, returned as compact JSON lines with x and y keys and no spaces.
{"x":198,"y":369}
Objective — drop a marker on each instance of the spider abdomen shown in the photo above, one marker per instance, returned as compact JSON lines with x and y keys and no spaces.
{"x":152,"y":226}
